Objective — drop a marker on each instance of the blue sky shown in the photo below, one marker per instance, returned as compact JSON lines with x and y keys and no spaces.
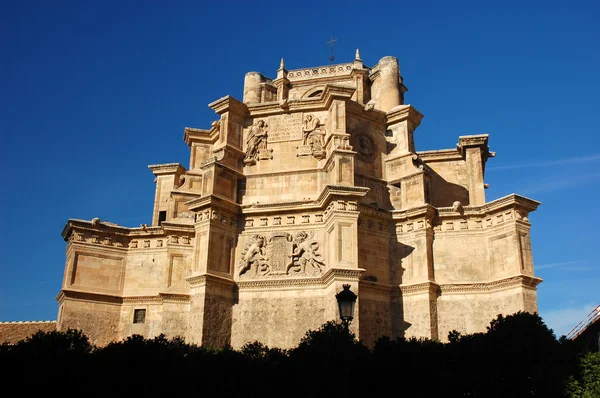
{"x":93,"y":92}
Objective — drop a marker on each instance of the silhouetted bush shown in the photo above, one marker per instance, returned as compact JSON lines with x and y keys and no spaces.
{"x":518,"y":356}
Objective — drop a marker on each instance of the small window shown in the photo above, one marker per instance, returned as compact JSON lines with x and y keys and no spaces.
{"x":139,"y":316}
{"x":315,"y":94}
{"x":162,"y":216}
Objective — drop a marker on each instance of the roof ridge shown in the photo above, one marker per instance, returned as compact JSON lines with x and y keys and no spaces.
{"x":20,"y":322}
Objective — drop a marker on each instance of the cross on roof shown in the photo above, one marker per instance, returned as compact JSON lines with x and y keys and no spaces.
{"x":331,"y":42}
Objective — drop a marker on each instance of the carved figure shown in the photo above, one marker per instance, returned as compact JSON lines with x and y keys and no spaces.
{"x":256,"y":140}
{"x":457,"y":206}
{"x":313,"y":133}
{"x":253,"y":255}
{"x":365,"y":146}
{"x":305,"y":252}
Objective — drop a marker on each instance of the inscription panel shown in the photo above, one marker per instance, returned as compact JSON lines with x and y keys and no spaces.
{"x":285,"y":128}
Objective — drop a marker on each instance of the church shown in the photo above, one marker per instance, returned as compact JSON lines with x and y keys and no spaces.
{"x":312,"y":181}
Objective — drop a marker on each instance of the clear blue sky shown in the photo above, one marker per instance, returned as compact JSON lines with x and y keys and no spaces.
{"x":94,"y":91}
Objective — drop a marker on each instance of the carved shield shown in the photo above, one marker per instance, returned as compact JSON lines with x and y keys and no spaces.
{"x":280,"y":253}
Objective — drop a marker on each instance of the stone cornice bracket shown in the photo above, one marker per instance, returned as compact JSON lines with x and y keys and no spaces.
{"x":401,"y":113}
{"x":427,"y":211}
{"x":475,"y":141}
{"x":167,"y":168}
{"x":213,"y":201}
{"x":191,"y":135}
{"x":97,"y":225}
{"x":228,"y":104}
{"x":87,"y":296}
{"x":204,"y":279}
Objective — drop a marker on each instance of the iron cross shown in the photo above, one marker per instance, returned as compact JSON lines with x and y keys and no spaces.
{"x":331,"y":42}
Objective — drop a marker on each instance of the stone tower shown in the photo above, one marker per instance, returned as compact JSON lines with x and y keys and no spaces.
{"x":313,"y":181}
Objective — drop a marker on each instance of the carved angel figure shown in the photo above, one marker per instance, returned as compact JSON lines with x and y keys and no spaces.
{"x":253,"y":255}
{"x":257,"y":139}
{"x":305,"y":252}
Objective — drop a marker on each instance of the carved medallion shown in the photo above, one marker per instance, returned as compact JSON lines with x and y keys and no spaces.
{"x":365,"y":145}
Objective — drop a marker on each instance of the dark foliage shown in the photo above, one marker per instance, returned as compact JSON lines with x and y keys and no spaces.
{"x":518,"y":356}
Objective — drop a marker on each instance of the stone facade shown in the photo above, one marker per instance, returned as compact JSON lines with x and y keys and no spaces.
{"x":313,"y":181}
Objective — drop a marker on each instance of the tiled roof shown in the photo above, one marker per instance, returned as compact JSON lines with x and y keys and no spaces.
{"x":13,"y":332}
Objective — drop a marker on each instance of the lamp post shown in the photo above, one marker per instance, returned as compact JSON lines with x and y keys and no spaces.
{"x":346,"y":301}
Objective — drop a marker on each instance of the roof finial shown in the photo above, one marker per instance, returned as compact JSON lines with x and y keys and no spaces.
{"x":282,"y":64}
{"x":357,"y":56}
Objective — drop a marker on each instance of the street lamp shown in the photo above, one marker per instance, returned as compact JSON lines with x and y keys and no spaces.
{"x":346,"y":300}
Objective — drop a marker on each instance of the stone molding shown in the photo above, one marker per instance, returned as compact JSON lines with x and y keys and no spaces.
{"x":493,"y":286}
{"x":113,"y":299}
{"x":330,"y":92}
{"x":166,"y":168}
{"x":340,"y":274}
{"x":441,"y":155}
{"x":325,"y":198}
{"x":297,"y":75}
{"x":204,"y":279}
{"x":419,"y":288}
{"x":513,"y":200}
{"x":181,"y":298}
{"x":463,"y":288}
{"x":191,"y":135}
{"x":88,"y":296}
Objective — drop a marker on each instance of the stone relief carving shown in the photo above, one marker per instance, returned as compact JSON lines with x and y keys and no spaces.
{"x":365,"y":145}
{"x":305,"y":252}
{"x":256,"y":143}
{"x":280,"y":255}
{"x":313,"y":138}
{"x":254,"y":255}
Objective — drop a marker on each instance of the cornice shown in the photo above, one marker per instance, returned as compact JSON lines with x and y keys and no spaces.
{"x":166,"y":168}
{"x":425,"y":210}
{"x":358,"y":111}
{"x":333,"y":274}
{"x":191,"y":135}
{"x":213,"y":201}
{"x":492,"y":286}
{"x":441,"y":155}
{"x":500,"y":204}
{"x":110,"y":229}
{"x":116,"y":299}
{"x":175,"y":297}
{"x":419,"y":288}
{"x":142,"y":299}
{"x":228,"y":103}
{"x":170,"y":227}
{"x":404,"y":112}
{"x":331,"y":92}
{"x":204,"y":279}
{"x":88,"y":296}
{"x":326,"y":196}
